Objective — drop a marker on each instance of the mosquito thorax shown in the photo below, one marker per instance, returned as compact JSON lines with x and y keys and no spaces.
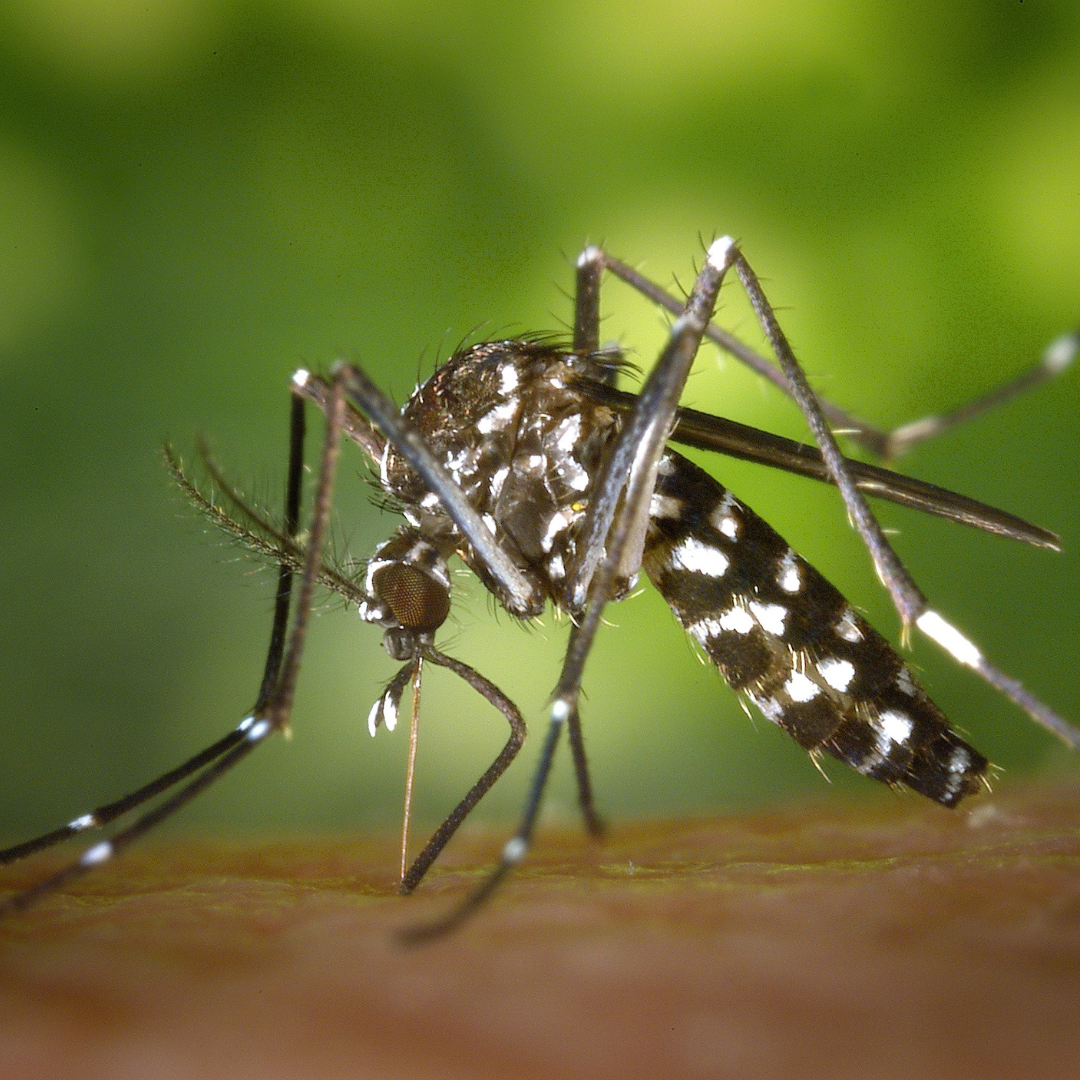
{"x":509,"y":423}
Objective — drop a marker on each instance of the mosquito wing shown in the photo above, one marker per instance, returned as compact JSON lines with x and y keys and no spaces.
{"x":717,"y":433}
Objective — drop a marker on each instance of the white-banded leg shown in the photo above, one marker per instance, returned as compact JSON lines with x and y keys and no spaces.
{"x":616,"y":518}
{"x":385,"y":713}
{"x":491,"y":693}
{"x":908,"y":600}
{"x":852,"y":478}
{"x":887,"y":445}
{"x":590,"y":271}
{"x":109,"y":812}
{"x":272,"y":707}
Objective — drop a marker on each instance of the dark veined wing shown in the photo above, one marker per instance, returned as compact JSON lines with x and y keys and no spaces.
{"x":708,"y":432}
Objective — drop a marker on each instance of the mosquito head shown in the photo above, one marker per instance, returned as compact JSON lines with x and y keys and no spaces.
{"x":408,"y":593}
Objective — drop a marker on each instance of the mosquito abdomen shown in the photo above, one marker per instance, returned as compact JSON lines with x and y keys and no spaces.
{"x":787,"y":639}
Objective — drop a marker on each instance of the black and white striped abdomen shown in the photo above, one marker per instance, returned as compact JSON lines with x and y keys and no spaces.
{"x":781,"y":634}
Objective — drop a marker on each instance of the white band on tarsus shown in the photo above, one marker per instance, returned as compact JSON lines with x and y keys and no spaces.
{"x":589,"y":255}
{"x":258,"y":730}
{"x":1061,"y":353}
{"x":514,"y":851}
{"x":720,"y":253}
{"x":97,"y":854}
{"x":949,"y":638}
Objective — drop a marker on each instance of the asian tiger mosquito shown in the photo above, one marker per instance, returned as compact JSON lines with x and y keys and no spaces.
{"x":522,"y":458}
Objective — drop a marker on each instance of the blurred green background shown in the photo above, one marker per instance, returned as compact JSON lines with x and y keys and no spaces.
{"x":197,"y":196}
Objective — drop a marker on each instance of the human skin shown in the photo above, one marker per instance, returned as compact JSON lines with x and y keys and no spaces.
{"x":890,"y":940}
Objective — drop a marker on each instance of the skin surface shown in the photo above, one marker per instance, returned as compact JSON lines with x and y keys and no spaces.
{"x":898,"y":939}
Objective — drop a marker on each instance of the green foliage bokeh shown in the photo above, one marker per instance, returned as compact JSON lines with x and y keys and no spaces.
{"x":197,"y":196}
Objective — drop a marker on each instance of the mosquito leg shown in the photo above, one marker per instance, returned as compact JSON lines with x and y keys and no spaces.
{"x":104,"y":815}
{"x":293,"y":488}
{"x":908,"y":600}
{"x":887,"y":445}
{"x":590,"y":272}
{"x":109,"y":812}
{"x":278,"y":705}
{"x":101,"y":852}
{"x":447,"y":829}
{"x":626,"y":484}
{"x":275,"y":702}
{"x":593,"y":822}
{"x":513,"y":851}
{"x":1057,"y":356}
{"x":220,"y":757}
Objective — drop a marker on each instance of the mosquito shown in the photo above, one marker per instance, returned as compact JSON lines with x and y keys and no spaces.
{"x":522,"y":458}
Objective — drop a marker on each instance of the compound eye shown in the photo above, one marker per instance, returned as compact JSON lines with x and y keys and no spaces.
{"x":417,"y":600}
